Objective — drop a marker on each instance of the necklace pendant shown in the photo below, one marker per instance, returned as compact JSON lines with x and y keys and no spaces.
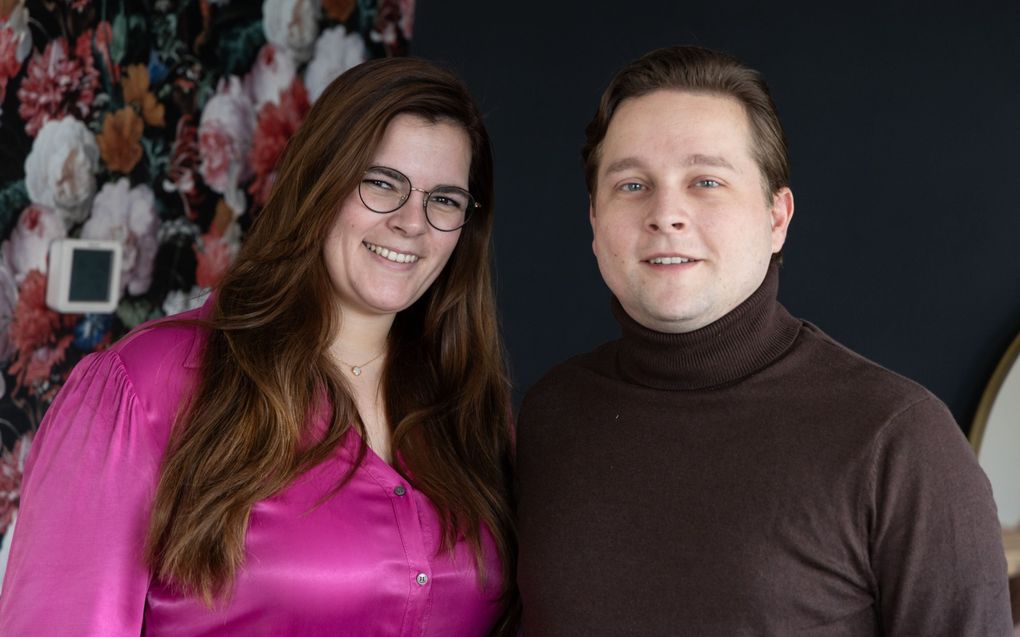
{"x":356,"y":370}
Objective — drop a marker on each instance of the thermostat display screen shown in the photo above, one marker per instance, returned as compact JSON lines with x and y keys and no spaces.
{"x":90,"y":275}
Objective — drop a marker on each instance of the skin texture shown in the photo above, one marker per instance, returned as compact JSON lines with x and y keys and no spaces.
{"x":677,"y":178}
{"x":367,"y":285}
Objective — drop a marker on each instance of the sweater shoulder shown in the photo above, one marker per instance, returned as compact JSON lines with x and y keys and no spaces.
{"x":567,"y":378}
{"x":851,"y":376}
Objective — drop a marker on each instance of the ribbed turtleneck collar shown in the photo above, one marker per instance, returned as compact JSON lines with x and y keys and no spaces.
{"x":751,"y":336}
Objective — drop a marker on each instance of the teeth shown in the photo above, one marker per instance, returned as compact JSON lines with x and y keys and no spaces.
{"x":668,"y":260}
{"x":391,"y":255}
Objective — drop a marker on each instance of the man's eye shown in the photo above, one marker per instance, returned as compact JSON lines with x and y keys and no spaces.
{"x":707,"y":183}
{"x":632,"y":187}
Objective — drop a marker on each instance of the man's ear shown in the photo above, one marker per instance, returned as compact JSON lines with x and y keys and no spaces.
{"x":591,"y":220}
{"x":781,"y":215}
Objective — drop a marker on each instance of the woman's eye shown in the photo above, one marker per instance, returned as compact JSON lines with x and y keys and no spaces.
{"x":378,"y":183}
{"x":707,"y":183}
{"x":447,"y":202}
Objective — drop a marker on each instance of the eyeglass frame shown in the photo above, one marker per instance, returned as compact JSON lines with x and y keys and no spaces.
{"x":424,"y":202}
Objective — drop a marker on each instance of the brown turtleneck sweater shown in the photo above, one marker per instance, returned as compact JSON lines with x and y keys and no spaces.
{"x":753,"y":477}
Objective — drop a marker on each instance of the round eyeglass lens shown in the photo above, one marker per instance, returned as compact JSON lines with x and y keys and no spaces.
{"x":449,"y":207}
{"x":383,"y":190}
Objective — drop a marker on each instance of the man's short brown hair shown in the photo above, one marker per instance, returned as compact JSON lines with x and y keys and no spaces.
{"x":697,"y":70}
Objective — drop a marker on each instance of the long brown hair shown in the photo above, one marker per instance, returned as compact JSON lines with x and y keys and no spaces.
{"x":243,"y":435}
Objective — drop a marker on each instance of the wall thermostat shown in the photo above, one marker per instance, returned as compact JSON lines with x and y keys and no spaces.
{"x":84,"y":276}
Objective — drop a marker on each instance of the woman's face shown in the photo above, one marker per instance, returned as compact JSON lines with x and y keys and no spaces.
{"x":366,"y":281}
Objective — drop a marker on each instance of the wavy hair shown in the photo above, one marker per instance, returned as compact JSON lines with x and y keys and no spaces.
{"x":244,"y":433}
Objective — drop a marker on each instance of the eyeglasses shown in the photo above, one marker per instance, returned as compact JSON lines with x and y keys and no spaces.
{"x":385,"y":190}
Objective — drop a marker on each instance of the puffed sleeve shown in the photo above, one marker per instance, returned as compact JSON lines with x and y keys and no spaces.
{"x":76,"y":564}
{"x":936,"y":549}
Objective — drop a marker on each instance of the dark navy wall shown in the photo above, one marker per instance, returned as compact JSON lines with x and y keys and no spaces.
{"x":904,"y":130}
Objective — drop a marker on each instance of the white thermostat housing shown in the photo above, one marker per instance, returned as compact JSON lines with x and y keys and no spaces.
{"x":84,"y":276}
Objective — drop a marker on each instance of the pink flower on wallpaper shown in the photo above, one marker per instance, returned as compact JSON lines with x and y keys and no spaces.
{"x":215,"y":252}
{"x":15,"y":45}
{"x":60,"y":170}
{"x":29,"y":243}
{"x":292,"y":25}
{"x":224,"y":141}
{"x":33,"y":369}
{"x":12,"y":468}
{"x":276,"y":125}
{"x":15,"y":41}
{"x":128,"y":215}
{"x":271,"y":75}
{"x":9,"y":62}
{"x":393,"y":15}
{"x":34,"y":332}
{"x":184,"y":161}
{"x":58,"y":84}
{"x":336,"y":50}
{"x":34,"y":324}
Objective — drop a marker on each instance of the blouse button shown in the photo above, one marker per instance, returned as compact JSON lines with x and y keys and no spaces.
{"x":399,"y":489}
{"x":422,"y":579}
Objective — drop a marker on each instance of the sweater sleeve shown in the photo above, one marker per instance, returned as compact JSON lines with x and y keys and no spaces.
{"x":76,"y":563}
{"x":936,"y":549}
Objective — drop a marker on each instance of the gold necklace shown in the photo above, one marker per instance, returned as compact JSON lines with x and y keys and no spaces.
{"x":357,"y":369}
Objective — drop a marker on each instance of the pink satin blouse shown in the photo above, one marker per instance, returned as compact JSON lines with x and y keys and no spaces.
{"x":365,"y":562}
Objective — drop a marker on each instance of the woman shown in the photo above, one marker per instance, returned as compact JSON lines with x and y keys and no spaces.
{"x":323,"y":449}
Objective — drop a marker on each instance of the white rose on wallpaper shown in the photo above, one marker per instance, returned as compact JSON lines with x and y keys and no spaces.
{"x":29,"y":243}
{"x":128,"y":215}
{"x":335,"y":52}
{"x":17,"y":22}
{"x":8,"y":301}
{"x":272,"y":73}
{"x":60,"y":171}
{"x":224,"y":139}
{"x":292,"y":25}
{"x":178,"y":301}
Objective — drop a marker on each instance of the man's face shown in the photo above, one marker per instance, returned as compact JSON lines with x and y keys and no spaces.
{"x":682,"y":229}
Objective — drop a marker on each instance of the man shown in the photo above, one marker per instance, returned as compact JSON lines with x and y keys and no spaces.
{"x":725,"y":468}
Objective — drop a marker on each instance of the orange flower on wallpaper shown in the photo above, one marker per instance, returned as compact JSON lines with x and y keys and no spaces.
{"x":339,"y":10}
{"x":136,"y":92}
{"x":120,"y":141}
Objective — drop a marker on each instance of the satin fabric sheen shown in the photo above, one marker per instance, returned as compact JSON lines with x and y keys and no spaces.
{"x":350,"y":566}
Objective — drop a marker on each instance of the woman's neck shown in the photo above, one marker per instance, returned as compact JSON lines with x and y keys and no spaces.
{"x":360,"y":338}
{"x":359,"y":350}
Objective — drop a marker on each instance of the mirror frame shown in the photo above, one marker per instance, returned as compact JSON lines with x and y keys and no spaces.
{"x":980,"y":423}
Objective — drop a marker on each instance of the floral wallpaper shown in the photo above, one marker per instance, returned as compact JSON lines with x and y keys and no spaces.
{"x":158,"y":124}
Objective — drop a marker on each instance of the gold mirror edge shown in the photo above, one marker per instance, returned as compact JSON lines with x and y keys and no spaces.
{"x":980,"y":422}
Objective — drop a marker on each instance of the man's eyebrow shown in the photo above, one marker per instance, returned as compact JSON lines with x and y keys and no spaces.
{"x":696,"y":159}
{"x":623,"y":164}
{"x":717,"y":161}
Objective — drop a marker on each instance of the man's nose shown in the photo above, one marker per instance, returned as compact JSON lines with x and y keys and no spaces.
{"x":669,"y":211}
